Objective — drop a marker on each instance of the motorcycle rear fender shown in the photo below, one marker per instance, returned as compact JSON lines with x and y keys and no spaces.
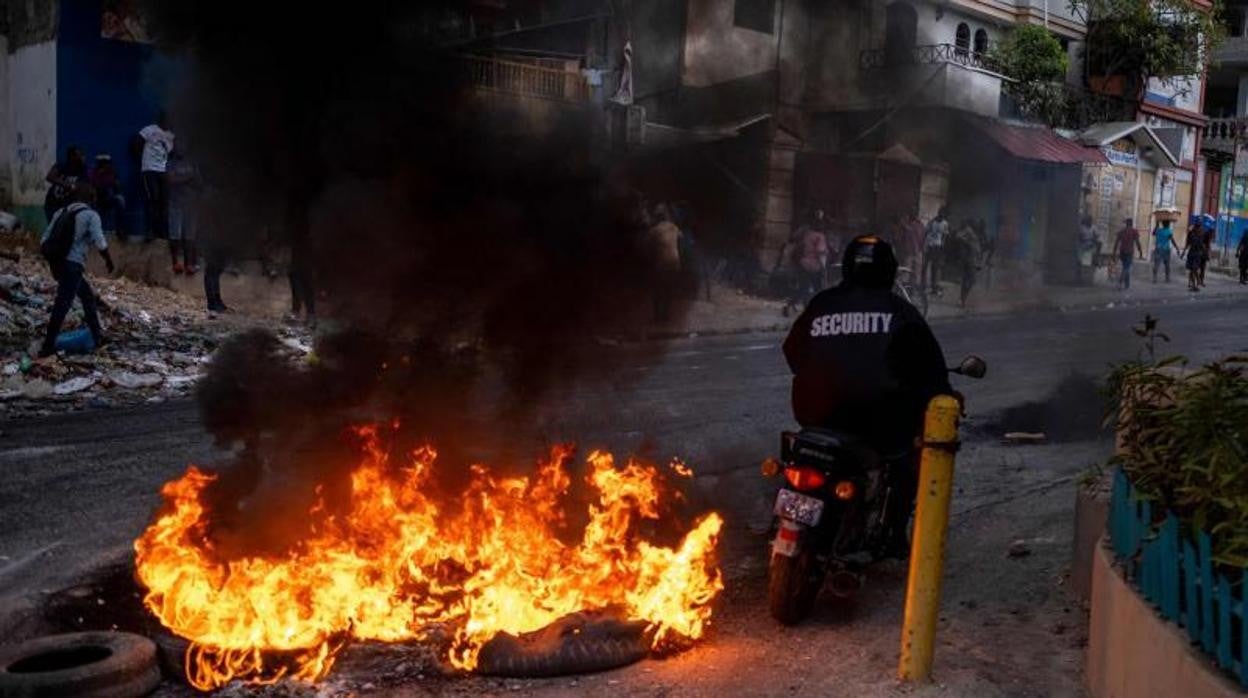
{"x":788,"y":538}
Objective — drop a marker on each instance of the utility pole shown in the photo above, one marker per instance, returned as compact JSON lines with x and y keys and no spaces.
{"x":1236,"y":127}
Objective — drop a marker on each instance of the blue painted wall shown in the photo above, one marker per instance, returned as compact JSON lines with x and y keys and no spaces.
{"x":106,"y":91}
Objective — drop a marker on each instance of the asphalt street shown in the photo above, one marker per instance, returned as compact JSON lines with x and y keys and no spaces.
{"x":77,"y":489}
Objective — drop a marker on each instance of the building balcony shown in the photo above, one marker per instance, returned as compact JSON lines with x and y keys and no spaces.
{"x":526,"y":80}
{"x":1221,"y":135}
{"x":1232,"y":52}
{"x":880,"y":59}
{"x":941,"y":75}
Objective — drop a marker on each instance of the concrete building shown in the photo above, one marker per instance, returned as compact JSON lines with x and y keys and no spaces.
{"x":1225,"y":135}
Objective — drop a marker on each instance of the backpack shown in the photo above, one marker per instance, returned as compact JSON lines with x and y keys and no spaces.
{"x":56,"y":248}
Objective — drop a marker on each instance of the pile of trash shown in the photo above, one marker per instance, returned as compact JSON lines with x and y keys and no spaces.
{"x":159,"y":343}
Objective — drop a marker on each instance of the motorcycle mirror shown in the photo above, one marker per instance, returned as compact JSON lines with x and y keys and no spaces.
{"x":972,"y":367}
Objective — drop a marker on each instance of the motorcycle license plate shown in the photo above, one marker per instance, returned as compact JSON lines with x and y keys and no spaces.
{"x":798,"y":507}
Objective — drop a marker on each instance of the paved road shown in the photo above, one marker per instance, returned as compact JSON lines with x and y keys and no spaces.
{"x":78,"y":488}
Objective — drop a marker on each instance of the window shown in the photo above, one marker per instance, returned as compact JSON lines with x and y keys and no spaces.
{"x":981,"y":41}
{"x":758,"y":15}
{"x":963,"y":38}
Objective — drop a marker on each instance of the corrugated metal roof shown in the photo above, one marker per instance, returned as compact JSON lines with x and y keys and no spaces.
{"x":1038,"y":143}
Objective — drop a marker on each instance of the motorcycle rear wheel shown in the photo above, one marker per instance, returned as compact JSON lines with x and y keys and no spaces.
{"x":792,"y":585}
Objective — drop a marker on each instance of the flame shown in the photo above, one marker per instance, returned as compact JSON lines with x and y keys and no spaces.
{"x":399,"y":565}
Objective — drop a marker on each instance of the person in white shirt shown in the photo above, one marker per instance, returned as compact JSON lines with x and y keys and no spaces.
{"x":157,"y":144}
{"x":933,"y":250}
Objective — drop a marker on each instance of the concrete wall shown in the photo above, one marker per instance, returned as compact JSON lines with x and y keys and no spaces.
{"x":939,"y":24}
{"x":717,"y":51}
{"x":1133,"y":652}
{"x":32,"y":103}
{"x":108,"y":90}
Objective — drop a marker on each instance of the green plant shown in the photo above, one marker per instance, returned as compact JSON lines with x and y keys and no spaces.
{"x":1136,"y":40}
{"x":1183,"y":439}
{"x":1036,"y":64}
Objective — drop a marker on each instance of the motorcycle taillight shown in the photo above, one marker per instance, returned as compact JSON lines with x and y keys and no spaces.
{"x":805,"y":479}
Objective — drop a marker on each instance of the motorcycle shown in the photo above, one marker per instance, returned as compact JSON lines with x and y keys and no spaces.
{"x":831,"y":513}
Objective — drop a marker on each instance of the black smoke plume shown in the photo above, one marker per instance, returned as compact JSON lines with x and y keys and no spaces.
{"x":450,"y":236}
{"x":432,"y":217}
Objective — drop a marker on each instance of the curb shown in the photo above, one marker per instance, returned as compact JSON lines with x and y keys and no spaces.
{"x":1134,"y":652}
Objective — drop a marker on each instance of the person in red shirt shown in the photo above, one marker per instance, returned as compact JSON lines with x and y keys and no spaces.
{"x":1127,"y":244}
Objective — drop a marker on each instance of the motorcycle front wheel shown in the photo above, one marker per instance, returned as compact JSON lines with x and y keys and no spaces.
{"x":792,"y":585}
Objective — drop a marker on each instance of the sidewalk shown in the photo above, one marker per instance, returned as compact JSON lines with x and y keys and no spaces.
{"x":733,"y":312}
{"x":1001,"y":299}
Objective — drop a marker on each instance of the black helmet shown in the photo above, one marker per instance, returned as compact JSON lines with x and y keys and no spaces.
{"x":869,"y":262}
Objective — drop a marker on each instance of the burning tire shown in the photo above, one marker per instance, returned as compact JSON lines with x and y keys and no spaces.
{"x":576,"y":644}
{"x":792,"y":585}
{"x":84,"y":665}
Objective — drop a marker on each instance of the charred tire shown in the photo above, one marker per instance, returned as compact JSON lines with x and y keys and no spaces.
{"x":792,"y":585}
{"x":575,"y":644}
{"x":80,"y":665}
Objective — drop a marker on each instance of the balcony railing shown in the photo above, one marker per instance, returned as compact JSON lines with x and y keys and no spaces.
{"x":526,"y":80}
{"x":1221,"y":134}
{"x":877,"y":59}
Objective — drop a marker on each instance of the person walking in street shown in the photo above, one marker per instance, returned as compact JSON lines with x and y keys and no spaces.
{"x":910,"y":240}
{"x":1087,"y":246}
{"x":1210,"y":236}
{"x":64,"y":245}
{"x":968,"y":251}
{"x":1127,"y":243}
{"x":63,"y":176}
{"x":664,"y":238}
{"x":933,"y":250}
{"x":184,"y":184}
{"x":1163,"y":240}
{"x":157,"y":145}
{"x":1241,"y":257}
{"x":1197,"y":251}
{"x":813,"y":262}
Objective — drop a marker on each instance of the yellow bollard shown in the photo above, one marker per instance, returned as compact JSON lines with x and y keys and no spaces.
{"x":927,"y":549}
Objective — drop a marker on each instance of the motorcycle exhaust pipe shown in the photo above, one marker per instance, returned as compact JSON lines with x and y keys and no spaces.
{"x":845,"y":583}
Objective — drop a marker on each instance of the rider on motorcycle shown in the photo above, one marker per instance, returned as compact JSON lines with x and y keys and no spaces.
{"x":864,"y":361}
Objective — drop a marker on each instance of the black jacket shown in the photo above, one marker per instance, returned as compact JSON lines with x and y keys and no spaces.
{"x":864,"y":360}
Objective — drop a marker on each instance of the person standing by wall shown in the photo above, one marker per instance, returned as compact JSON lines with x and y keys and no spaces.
{"x":157,"y":145}
{"x":64,"y":244}
{"x":1163,"y":240}
{"x":933,"y":250}
{"x":62,"y":178}
{"x":1126,"y":244}
{"x":184,"y":184}
{"x":110,"y":203}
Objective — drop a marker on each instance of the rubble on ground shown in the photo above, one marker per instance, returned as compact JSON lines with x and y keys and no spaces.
{"x":159,"y":343}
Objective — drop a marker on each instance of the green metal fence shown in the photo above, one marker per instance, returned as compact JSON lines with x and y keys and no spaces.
{"x":1177,"y":576}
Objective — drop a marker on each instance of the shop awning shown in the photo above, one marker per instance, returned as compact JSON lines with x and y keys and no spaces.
{"x":1037,"y":143}
{"x":1145,"y":138}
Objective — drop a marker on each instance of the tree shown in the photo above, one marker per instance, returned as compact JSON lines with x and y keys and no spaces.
{"x":1137,"y":40}
{"x":1036,"y":64}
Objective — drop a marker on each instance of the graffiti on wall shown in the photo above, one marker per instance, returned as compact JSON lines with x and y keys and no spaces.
{"x":122,"y":20}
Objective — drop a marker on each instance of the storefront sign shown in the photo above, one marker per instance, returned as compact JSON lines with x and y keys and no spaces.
{"x":1121,"y":152}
